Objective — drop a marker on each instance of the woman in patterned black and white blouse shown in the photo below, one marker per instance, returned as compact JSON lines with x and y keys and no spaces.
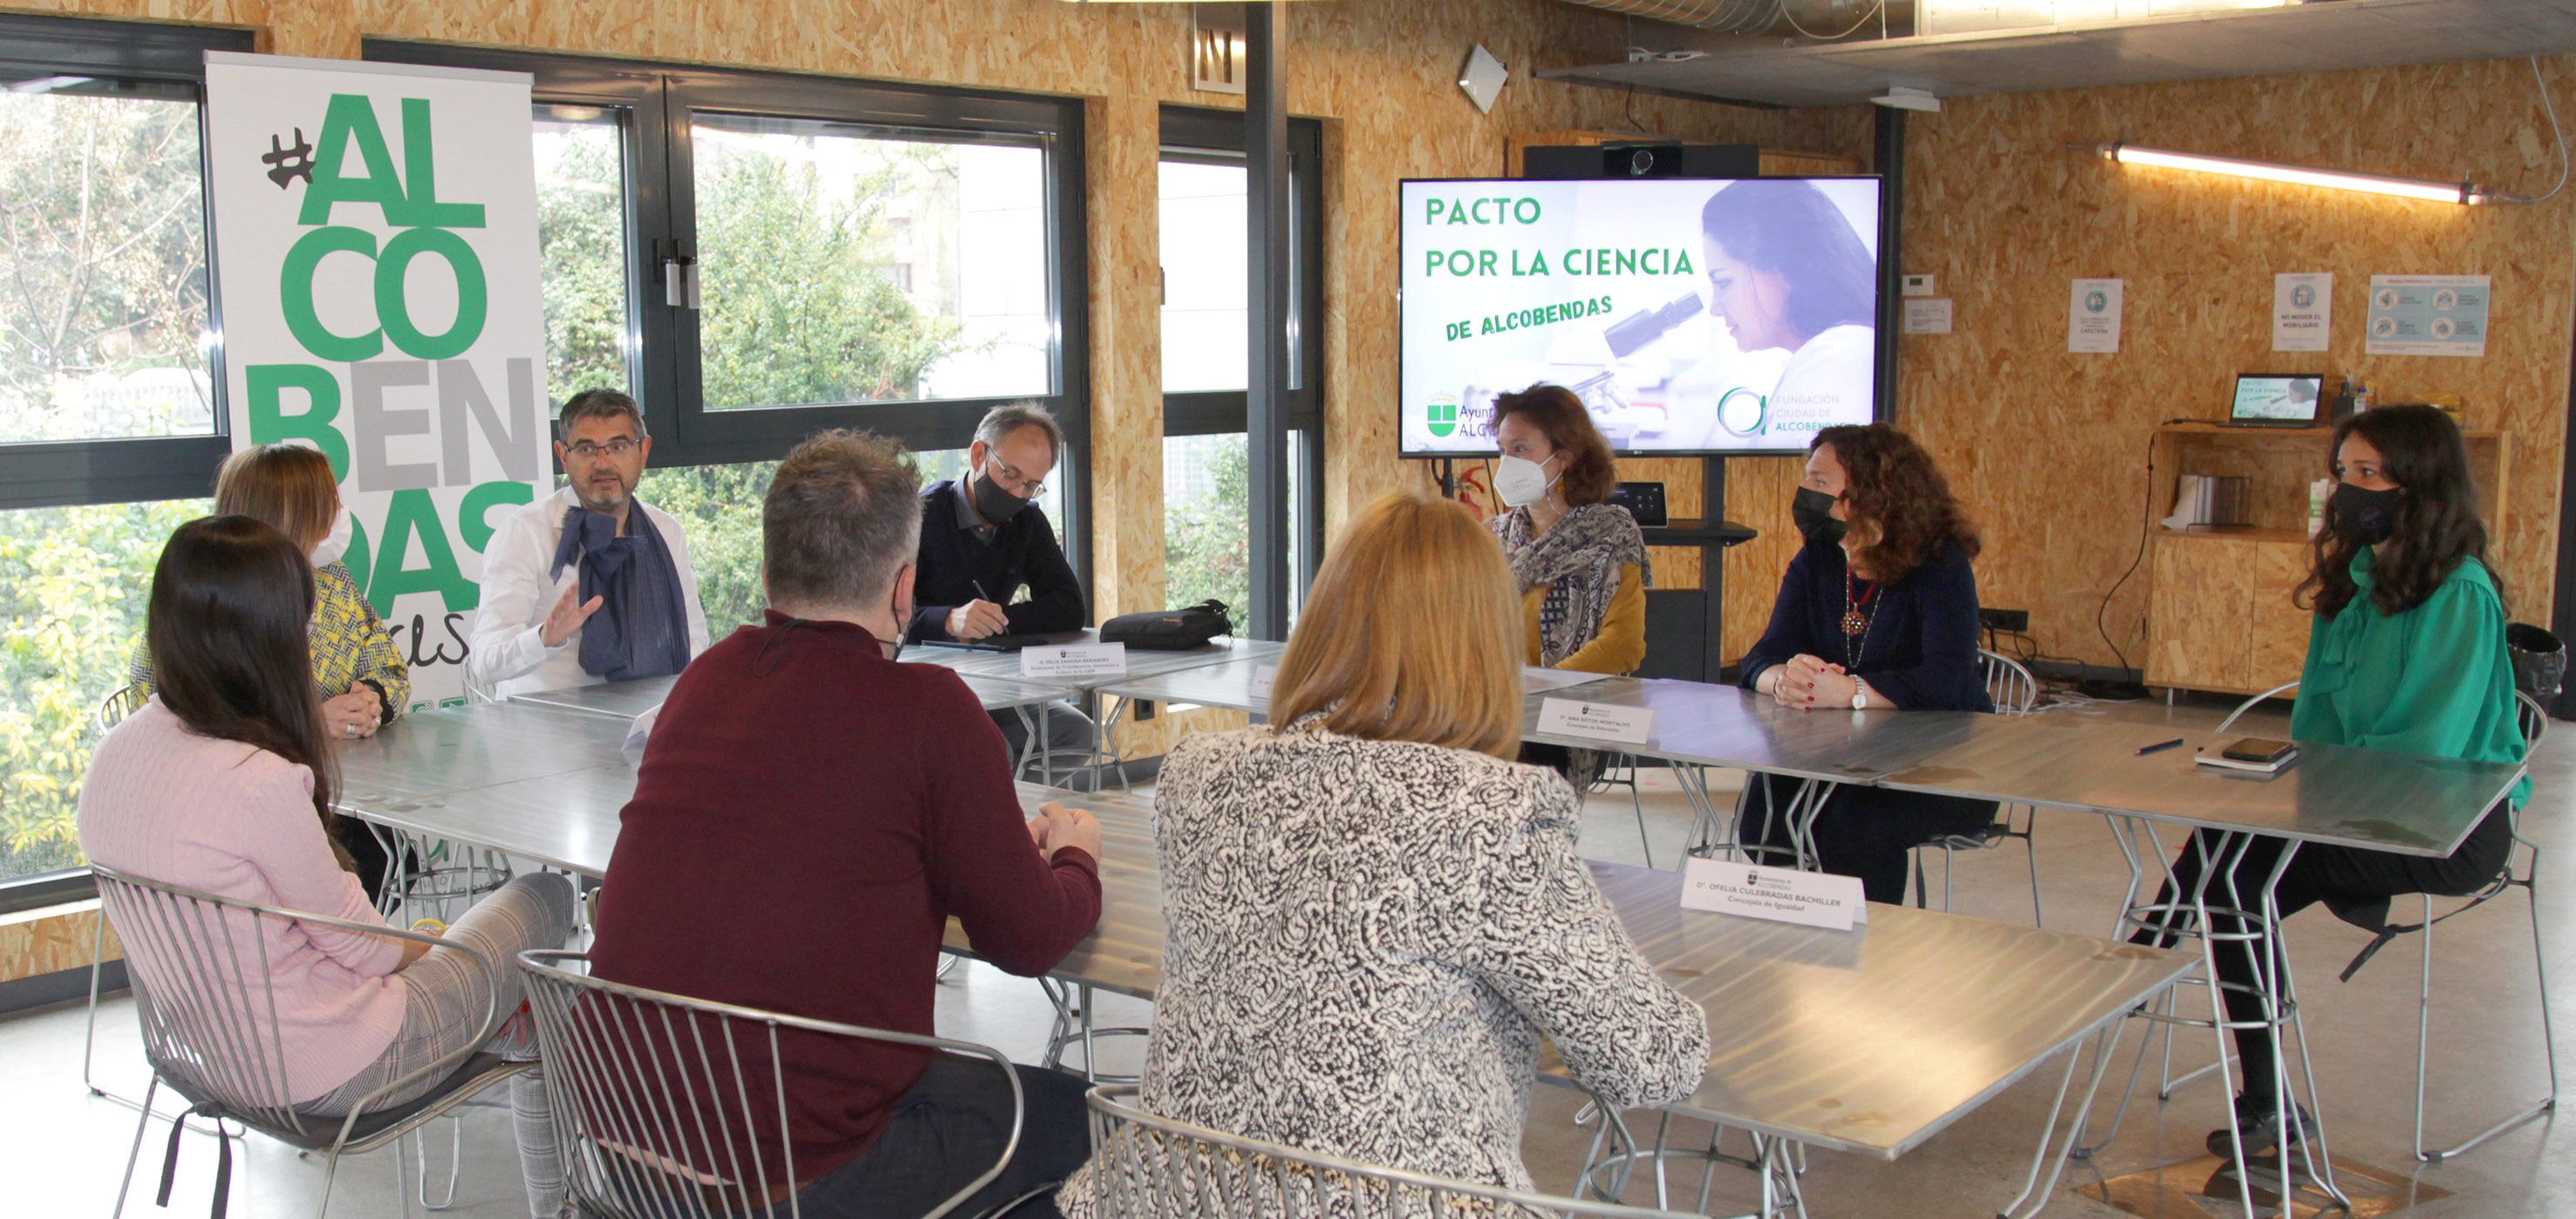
{"x":1372,"y":912}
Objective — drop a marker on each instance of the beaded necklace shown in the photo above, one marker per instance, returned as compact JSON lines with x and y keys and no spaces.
{"x":1856,"y":624}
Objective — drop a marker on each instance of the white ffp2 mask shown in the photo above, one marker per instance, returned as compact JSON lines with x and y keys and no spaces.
{"x":335,"y":543}
{"x":1519,"y":482}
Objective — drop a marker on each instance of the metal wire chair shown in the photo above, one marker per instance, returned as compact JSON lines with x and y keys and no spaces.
{"x":1149,"y":1167}
{"x":2014,"y":692}
{"x":121,"y":702}
{"x":200,"y":968}
{"x":656,"y":1113}
{"x":2533,"y":720}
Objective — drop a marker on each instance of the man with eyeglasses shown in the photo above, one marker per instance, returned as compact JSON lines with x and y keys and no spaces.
{"x":985,"y":543}
{"x":589,"y":584}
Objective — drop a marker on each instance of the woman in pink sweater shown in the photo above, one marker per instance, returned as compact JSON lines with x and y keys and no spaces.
{"x":223,"y":782}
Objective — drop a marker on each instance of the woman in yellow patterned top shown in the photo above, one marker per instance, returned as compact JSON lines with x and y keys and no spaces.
{"x":358,"y":675}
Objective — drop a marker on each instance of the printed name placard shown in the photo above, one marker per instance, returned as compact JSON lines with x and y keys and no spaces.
{"x":1262,"y":677}
{"x":1596,"y":721}
{"x":1074,"y":660}
{"x":1781,"y":895}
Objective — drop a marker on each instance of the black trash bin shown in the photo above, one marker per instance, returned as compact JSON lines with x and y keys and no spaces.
{"x":2539,"y":660}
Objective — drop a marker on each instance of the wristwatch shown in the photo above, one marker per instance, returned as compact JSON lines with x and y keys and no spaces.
{"x":1860,"y":697}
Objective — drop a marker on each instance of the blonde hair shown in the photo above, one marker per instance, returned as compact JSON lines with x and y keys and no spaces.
{"x":288,"y":487}
{"x":1411,"y":633}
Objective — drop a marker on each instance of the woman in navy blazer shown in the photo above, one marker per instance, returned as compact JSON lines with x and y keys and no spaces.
{"x":1877,"y":613}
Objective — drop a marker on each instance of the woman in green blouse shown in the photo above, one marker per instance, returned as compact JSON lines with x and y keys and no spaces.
{"x":2407,"y":653}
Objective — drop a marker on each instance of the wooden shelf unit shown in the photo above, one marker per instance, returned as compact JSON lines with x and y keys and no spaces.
{"x":2219,"y":610}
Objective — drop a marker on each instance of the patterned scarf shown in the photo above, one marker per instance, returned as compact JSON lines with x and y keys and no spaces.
{"x":1579,"y":559}
{"x":642,"y":627}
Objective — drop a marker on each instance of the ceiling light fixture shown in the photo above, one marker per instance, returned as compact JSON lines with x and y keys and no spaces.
{"x":2303,"y":175}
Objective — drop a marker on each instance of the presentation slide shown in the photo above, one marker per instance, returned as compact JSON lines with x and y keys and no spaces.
{"x":1692,"y":316}
{"x":2276,"y":399}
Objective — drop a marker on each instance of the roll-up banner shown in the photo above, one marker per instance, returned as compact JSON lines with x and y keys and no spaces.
{"x":376,"y":271}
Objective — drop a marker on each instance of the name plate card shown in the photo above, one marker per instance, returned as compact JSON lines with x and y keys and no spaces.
{"x":1596,"y":721}
{"x":1262,"y":677}
{"x":1780,"y":895}
{"x":1075,"y":660}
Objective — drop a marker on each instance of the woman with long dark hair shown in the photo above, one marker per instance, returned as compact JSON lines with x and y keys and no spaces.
{"x":223,"y":783}
{"x":357,"y":674}
{"x":1877,"y":613}
{"x":1786,"y":270}
{"x":2407,"y":653}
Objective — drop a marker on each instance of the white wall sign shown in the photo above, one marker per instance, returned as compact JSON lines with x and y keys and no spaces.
{"x":2428,"y":315}
{"x":1263,"y":677}
{"x":2302,"y":310}
{"x":1781,"y":895}
{"x":2093,"y":316}
{"x":1929,"y":315}
{"x":376,"y":250}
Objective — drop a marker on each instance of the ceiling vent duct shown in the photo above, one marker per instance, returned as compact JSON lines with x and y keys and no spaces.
{"x":1816,"y":20}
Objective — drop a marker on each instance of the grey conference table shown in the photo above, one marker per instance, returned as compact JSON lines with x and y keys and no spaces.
{"x":629,"y":699}
{"x":1141,"y":662}
{"x":1986,"y":1001}
{"x":1696,"y":725}
{"x":2335,"y":796}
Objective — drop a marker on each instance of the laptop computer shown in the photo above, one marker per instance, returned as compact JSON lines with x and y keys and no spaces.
{"x":2277,"y":399}
{"x":1005,"y":643}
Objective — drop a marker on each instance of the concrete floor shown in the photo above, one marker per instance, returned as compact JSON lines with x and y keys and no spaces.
{"x":61,"y":1150}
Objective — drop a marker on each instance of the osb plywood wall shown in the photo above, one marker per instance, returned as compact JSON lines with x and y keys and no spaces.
{"x":2049,"y":448}
{"x":36,"y":943}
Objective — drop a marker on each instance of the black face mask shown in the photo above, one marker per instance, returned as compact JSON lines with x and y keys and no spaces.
{"x":2364,"y":517}
{"x":1813,"y":510}
{"x":993,"y":503}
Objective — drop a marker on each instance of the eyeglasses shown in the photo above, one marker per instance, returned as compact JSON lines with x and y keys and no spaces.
{"x":593,"y":452}
{"x":1028,"y":490}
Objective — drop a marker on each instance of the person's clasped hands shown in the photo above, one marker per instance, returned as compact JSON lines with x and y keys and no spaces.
{"x":1057,"y":827}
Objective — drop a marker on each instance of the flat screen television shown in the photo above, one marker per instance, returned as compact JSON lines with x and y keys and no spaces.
{"x":1694,"y":316}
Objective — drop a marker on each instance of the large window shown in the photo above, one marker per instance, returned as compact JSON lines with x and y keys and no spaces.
{"x":759,"y":256}
{"x":108,"y":417}
{"x":1207,"y":500}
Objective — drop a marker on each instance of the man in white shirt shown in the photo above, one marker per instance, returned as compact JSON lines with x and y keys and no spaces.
{"x":617,"y":599}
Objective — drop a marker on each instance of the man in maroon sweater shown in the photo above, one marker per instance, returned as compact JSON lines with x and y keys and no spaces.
{"x":808,"y":816}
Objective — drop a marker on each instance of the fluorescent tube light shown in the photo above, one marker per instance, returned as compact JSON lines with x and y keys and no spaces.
{"x":2303,"y":175}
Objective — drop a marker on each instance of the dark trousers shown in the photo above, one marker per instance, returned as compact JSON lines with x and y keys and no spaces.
{"x":2350,"y":880}
{"x":946,"y":1129}
{"x":1863,"y":831}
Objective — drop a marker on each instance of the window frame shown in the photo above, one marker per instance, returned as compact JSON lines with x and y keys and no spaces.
{"x":72,"y":473}
{"x":664,"y":366}
{"x":121,"y":470}
{"x":1216,"y":137}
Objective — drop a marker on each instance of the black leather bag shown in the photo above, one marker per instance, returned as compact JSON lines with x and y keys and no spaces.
{"x":1168,"y":630}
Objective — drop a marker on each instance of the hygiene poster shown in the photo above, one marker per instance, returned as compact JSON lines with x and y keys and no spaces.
{"x":376,"y":256}
{"x":1689,"y":315}
{"x":2093,"y":316}
{"x":2302,"y":310}
{"x":2428,"y":315}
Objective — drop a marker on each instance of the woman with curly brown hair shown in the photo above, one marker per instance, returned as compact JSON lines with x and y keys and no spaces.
{"x":1878,"y":613}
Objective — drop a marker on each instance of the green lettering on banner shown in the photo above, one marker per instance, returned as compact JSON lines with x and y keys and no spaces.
{"x":479,"y":503}
{"x":269,"y":422}
{"x":393,"y":309}
{"x":295,"y":294}
{"x":357,"y":556}
{"x":411,"y":514}
{"x":351,"y":118}
{"x":420,"y":202}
